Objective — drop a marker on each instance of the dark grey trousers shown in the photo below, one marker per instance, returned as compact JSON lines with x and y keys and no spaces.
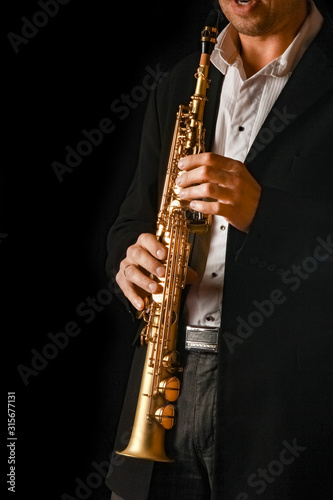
{"x":191,"y":440}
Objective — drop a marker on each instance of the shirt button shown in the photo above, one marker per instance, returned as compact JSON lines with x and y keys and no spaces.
{"x":210,"y":318}
{"x":214,"y":275}
{"x":222,"y":228}
{"x":241,"y":129}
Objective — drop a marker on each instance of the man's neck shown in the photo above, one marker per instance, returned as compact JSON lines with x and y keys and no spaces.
{"x":258,"y":51}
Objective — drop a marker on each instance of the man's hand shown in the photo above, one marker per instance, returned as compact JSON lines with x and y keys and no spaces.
{"x":143,"y":261}
{"x":230,"y":188}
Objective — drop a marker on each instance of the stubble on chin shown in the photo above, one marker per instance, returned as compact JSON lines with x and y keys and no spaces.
{"x":257,"y":24}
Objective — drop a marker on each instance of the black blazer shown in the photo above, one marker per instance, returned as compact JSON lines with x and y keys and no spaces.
{"x":274,"y":436}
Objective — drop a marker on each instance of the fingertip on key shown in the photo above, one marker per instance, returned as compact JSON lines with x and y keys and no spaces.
{"x":160,"y":271}
{"x":139,"y":304}
{"x":160,"y":254}
{"x":153,"y":287}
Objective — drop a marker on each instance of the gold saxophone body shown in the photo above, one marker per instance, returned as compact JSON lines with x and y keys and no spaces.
{"x":159,"y":385}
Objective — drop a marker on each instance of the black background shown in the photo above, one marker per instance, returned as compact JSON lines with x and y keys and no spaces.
{"x":53,"y":234}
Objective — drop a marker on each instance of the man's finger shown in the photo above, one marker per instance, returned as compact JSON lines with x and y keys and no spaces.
{"x":143,"y":258}
{"x":135,"y":285}
{"x":211,"y":160}
{"x":132,"y":273}
{"x":152,"y":245}
{"x":204,"y":174}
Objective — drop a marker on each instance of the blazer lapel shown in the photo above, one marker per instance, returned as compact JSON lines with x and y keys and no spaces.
{"x":310,"y":81}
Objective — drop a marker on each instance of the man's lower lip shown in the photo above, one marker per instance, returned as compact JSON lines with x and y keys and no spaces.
{"x":244,"y":8}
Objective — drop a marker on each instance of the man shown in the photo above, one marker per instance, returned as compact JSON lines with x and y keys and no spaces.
{"x":255,"y":419}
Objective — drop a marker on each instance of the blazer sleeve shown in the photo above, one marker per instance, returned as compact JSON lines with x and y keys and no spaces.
{"x":295,"y":171}
{"x":138,"y":211}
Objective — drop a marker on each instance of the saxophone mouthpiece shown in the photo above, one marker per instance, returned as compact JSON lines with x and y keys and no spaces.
{"x":208,"y":39}
{"x":209,"y":33}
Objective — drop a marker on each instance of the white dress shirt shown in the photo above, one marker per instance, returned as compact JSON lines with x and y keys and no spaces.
{"x":244,"y":105}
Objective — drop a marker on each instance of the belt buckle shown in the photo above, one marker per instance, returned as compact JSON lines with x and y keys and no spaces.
{"x":201,"y":339}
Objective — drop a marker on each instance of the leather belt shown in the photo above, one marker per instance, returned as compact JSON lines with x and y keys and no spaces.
{"x":201,"y":339}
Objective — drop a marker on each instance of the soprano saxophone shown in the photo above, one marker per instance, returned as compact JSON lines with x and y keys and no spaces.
{"x":159,"y":385}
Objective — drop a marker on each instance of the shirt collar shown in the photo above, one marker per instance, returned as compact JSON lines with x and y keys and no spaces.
{"x":226,"y":52}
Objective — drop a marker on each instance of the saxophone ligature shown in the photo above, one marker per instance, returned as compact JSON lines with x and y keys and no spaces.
{"x":159,"y":385}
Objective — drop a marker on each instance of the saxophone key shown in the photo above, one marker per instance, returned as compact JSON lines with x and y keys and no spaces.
{"x":170,"y":388}
{"x":171,"y":364}
{"x":151,"y":362}
{"x":165,"y":416}
{"x":143,"y":336}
